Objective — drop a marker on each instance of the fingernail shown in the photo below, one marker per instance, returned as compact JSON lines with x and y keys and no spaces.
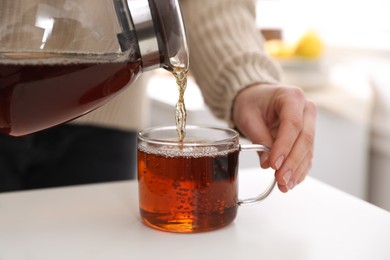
{"x":290,"y":185}
{"x":264,"y":160}
{"x":279,"y":162}
{"x":286,"y":177}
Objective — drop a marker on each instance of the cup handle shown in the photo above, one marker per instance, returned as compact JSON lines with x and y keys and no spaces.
{"x":262,"y":196}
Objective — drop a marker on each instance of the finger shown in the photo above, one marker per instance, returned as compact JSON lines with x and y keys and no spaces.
{"x":283,"y":188}
{"x":256,"y":131}
{"x":303,"y":171}
{"x":302,"y":151}
{"x":251,"y":124}
{"x":290,"y":108}
{"x":290,"y":180}
{"x":282,"y":183}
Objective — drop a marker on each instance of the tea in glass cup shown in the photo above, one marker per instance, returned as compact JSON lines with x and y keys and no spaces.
{"x":190,"y":186}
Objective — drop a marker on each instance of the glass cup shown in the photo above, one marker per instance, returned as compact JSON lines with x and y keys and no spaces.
{"x":191,"y":186}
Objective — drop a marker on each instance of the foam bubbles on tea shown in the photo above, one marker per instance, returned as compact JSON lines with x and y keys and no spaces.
{"x":185,"y":151}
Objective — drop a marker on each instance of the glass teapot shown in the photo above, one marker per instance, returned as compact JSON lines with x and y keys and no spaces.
{"x":60,"y":59}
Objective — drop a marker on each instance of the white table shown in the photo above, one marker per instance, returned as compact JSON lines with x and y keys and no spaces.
{"x":314,"y":221}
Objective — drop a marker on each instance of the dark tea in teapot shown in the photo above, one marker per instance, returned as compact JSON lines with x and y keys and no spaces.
{"x":36,"y":89}
{"x":59,"y":61}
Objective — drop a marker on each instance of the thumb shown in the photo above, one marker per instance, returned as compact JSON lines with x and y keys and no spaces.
{"x":254,"y":128}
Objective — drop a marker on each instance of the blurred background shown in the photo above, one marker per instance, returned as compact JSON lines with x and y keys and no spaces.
{"x":338,"y":52}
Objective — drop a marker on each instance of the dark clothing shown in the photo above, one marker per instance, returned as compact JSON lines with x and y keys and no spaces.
{"x":66,"y":155}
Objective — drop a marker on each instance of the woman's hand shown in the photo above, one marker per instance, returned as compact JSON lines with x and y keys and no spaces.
{"x":278,"y":116}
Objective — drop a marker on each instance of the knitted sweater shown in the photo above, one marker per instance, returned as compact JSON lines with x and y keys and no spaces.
{"x":226,"y":56}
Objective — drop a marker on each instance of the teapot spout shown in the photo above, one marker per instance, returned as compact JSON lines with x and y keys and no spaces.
{"x":159,"y":30}
{"x":171,"y":35}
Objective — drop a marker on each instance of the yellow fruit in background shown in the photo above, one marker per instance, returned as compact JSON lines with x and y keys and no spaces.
{"x":279,"y":49}
{"x":309,"y":45}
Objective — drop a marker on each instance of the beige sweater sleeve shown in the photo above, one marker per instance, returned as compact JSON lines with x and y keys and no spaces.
{"x":226,"y":53}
